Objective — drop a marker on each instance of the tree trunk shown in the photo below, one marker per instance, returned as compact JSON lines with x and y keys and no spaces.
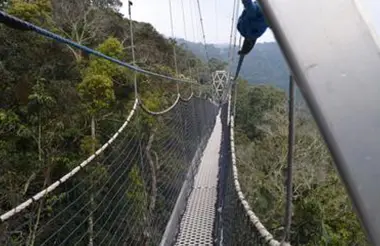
{"x":153,"y":195}
{"x":40,"y":206}
{"x":92,"y":205}
{"x":39,"y":140}
{"x":32,"y":235}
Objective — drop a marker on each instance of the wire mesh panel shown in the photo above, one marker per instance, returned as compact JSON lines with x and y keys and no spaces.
{"x":197,"y":222}
{"x":126,"y":194}
{"x":189,"y":137}
{"x":234,"y":224}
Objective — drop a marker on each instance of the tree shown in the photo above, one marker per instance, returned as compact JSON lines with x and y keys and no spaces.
{"x":4,"y":4}
{"x":322,"y":212}
{"x":37,"y":11}
{"x":254,"y":103}
{"x":96,"y":91}
{"x":216,"y":64}
{"x":57,"y":105}
{"x":40,"y":106}
{"x":83,"y":21}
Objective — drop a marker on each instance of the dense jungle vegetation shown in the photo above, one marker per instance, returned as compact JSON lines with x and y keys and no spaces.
{"x":58,"y":104}
{"x":322,"y":212}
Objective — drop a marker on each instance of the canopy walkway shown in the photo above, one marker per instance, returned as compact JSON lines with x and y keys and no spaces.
{"x":178,"y":183}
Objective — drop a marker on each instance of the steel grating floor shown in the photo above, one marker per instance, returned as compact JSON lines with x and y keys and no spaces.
{"x":198,"y":221}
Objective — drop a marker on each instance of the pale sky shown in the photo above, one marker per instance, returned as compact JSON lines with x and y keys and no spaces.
{"x":217,"y":15}
{"x":217,"y":24}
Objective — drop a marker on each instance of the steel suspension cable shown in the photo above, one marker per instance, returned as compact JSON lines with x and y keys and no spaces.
{"x":174,"y":48}
{"x":186,"y":54}
{"x":203,"y":31}
{"x":132,"y":47}
{"x":138,"y":96}
{"x":131,"y":31}
{"x":231,"y":31}
{"x":216,"y":20}
{"x":236,"y":85}
{"x":235,"y":32}
{"x":70,"y":174}
{"x":192,"y":20}
{"x":17,"y":23}
{"x":193,"y":30}
{"x":232,"y":117}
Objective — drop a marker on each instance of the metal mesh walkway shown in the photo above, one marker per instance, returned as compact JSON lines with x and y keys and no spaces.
{"x":198,"y":221}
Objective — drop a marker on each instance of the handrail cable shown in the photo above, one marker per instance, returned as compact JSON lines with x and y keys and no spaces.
{"x":203,"y":32}
{"x":160,"y":112}
{"x":187,"y":99}
{"x":231,"y":32}
{"x":264,"y":233}
{"x":186,"y":54}
{"x":23,"y":25}
{"x":132,"y":47}
{"x":193,"y":31}
{"x":174,"y":49}
{"x":253,"y":218}
{"x":138,"y":96}
{"x":70,"y":174}
{"x":17,"y":23}
{"x":235,"y":84}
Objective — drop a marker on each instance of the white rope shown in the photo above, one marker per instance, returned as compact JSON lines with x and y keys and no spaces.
{"x":66,"y":177}
{"x":187,"y":99}
{"x":160,"y":112}
{"x":264,"y":233}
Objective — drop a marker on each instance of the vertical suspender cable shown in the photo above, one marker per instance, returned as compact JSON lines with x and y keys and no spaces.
{"x":174,"y":49}
{"x":132,"y":46}
{"x":216,"y":20}
{"x":235,"y":32}
{"x":184,"y":29}
{"x":231,"y":32}
{"x":193,"y":29}
{"x":289,"y":178}
{"x":192,"y":20}
{"x":236,"y":86}
{"x":203,"y":31}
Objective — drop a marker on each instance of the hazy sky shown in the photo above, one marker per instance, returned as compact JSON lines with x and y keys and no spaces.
{"x":216,"y":15}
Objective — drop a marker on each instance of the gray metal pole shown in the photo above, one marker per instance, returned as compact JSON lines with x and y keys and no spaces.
{"x":335,"y":60}
{"x":289,"y":171}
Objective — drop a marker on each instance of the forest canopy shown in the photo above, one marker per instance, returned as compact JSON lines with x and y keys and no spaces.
{"x":322,"y":211}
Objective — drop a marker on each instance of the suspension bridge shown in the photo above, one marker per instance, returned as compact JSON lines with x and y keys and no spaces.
{"x":179,"y":183}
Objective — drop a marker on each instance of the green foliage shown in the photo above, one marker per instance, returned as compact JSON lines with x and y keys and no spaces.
{"x":8,"y":121}
{"x":137,"y":199}
{"x":322,"y":211}
{"x":111,"y":47}
{"x":253,"y":103}
{"x":216,"y":64}
{"x":87,"y":144}
{"x":39,"y":100}
{"x":50,"y":92}
{"x":37,"y":11}
{"x":136,"y":196}
{"x":97,"y":92}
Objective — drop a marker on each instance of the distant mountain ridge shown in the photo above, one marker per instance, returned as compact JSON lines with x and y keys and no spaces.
{"x":264,"y":65}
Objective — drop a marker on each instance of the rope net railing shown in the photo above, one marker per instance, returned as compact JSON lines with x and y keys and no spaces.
{"x":126,"y":195}
{"x":238,"y":224}
{"x":260,"y":192}
{"x":125,"y":192}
